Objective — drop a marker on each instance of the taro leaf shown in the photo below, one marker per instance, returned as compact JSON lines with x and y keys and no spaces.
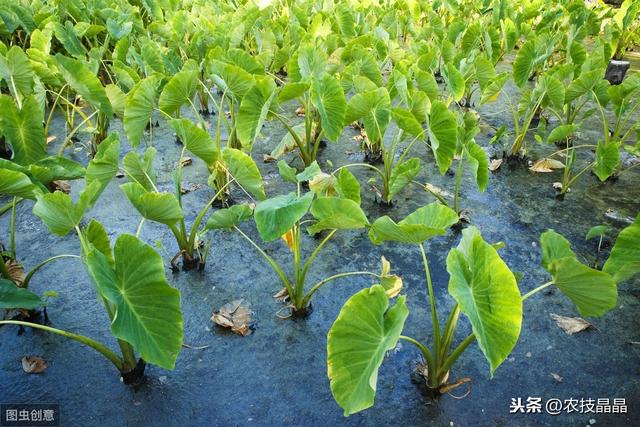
{"x":485,"y":72}
{"x":96,"y":234}
{"x":324,"y":185}
{"x":455,"y":81}
{"x":58,"y":212}
{"x":139,"y":108}
{"x":333,"y":213}
{"x":287,"y":172}
{"x":14,"y":183}
{"x":554,"y":247}
{"x":479,"y":164}
{"x":244,"y":60}
{"x":275,"y":216}
{"x":245,"y":171}
{"x":288,"y":143}
{"x":373,"y":108}
{"x":356,"y":345}
{"x":12,"y":296}
{"x":328,"y":98}
{"x":487,"y":293}
{"x":391,"y":283}
{"x":254,"y":109}
{"x":593,"y":292}
{"x":443,"y":134}
{"x":596,"y":231}
{"x":348,"y":186}
{"x":233,"y":80}
{"x":23,"y":129}
{"x":561,"y":133}
{"x":55,"y":168}
{"x":67,"y":36}
{"x":104,"y":166}
{"x":291,"y":91}
{"x":524,"y":62}
{"x":154,"y":206}
{"x":624,"y":261}
{"x":196,"y":140}
{"x":493,"y":90}
{"x":407,"y":122}
{"x":140,"y":169}
{"x":147,"y":309}
{"x":402,"y":174}
{"x":179,"y":89}
{"x":607,"y":159}
{"x":16,"y":70}
{"x":117,"y":99}
{"x":84,"y":83}
{"x":426,"y":222}
{"x":229,"y":218}
{"x":309,"y":172}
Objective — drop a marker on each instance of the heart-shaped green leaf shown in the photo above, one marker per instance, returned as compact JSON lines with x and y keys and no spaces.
{"x":487,"y":293}
{"x":147,"y":309}
{"x":356,"y":345}
{"x":275,"y":216}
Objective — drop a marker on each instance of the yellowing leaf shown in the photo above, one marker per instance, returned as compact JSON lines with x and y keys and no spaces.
{"x":288,"y":239}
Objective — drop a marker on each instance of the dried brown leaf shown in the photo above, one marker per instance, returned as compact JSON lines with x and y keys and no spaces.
{"x":571,"y":325}
{"x":63,"y":186}
{"x":16,"y":272}
{"x":186,"y":161}
{"x":50,"y":139}
{"x":557,"y":377}
{"x":33,"y":364}
{"x":282,"y":295}
{"x":546,"y":165}
{"x":495,"y":164}
{"x":300,"y":111}
{"x":235,"y":315}
{"x":120,"y":174}
{"x":267,"y":158}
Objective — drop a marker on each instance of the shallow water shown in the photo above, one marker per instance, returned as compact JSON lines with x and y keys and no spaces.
{"x":277,"y":375}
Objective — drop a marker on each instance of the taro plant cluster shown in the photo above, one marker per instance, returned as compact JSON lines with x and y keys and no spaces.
{"x":409,"y":81}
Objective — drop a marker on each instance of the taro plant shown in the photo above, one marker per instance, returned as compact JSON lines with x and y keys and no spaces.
{"x":29,"y":173}
{"x":166,"y":207}
{"x":320,"y":99}
{"x":624,"y":27}
{"x":130,"y":280}
{"x":334,"y":205}
{"x":484,"y":290}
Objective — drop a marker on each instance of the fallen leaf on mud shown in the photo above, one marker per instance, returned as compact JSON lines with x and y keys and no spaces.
{"x":358,"y":138}
{"x":235,"y":315}
{"x":300,"y":111}
{"x":185,"y":189}
{"x":33,"y":364}
{"x":16,"y":271}
{"x":437,"y":190}
{"x":120,"y":174}
{"x":282,"y":295}
{"x":546,"y":165}
{"x":267,"y":158}
{"x":571,"y":325}
{"x":50,"y":139}
{"x":63,"y":186}
{"x":558,"y":186}
{"x":227,"y":113}
{"x":186,"y":161}
{"x":557,"y":377}
{"x":495,"y":164}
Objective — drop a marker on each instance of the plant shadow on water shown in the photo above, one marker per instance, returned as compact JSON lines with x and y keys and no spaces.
{"x":277,"y":375}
